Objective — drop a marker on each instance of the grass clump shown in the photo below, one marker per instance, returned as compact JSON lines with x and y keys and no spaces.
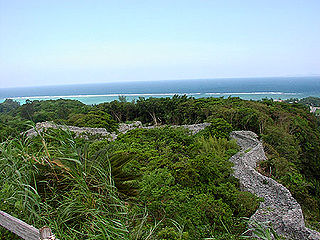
{"x":49,"y":180}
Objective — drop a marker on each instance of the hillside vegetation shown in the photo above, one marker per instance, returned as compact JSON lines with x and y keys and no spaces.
{"x":161,"y":183}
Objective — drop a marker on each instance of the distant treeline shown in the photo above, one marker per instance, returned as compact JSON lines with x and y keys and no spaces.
{"x":309,"y":101}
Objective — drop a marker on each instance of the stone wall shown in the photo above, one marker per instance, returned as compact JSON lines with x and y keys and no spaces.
{"x":279,"y":207}
{"x":123,"y":128}
{"x":39,"y":127}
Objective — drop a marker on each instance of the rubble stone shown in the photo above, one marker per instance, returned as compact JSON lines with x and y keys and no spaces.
{"x":278,"y":207}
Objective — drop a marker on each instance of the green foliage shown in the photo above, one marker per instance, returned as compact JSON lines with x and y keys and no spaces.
{"x":94,"y":119}
{"x":50,"y":110}
{"x":11,"y":126}
{"x":171,"y":233}
{"x":49,"y":180}
{"x":103,"y":152}
{"x":8,"y":105}
{"x":27,"y":110}
{"x":185,"y":180}
{"x":309,"y":101}
{"x":219,"y":128}
{"x":261,"y":230}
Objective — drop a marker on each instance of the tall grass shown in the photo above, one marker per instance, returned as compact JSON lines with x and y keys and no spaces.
{"x":49,"y":180}
{"x":261,"y":230}
{"x":219,"y":146}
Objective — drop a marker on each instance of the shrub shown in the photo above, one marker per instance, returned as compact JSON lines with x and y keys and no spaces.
{"x":219,"y":128}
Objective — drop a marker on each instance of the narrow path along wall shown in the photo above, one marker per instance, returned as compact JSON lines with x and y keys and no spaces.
{"x":279,"y":207}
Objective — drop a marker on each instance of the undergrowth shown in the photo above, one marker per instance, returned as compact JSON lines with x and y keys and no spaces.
{"x":148,"y":184}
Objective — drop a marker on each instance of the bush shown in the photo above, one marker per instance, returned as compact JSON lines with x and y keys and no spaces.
{"x":94,"y":119}
{"x":219,"y":128}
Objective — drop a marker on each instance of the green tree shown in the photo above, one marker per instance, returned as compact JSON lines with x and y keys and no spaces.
{"x":8,"y":105}
{"x":96,"y":119}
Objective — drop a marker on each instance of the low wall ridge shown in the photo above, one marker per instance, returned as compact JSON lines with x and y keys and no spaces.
{"x":123,"y":128}
{"x":279,"y":207}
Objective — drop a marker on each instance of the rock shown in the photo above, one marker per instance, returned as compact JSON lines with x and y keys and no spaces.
{"x":279,"y":207}
{"x":123,"y":128}
{"x":77,"y":130}
{"x":195,"y":128}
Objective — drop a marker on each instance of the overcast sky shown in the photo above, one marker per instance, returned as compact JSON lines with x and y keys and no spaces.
{"x":79,"y":41}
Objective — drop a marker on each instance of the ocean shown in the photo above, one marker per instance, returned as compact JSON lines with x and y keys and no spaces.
{"x":245,"y":88}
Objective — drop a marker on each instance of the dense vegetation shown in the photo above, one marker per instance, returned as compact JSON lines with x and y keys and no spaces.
{"x":152,"y":184}
{"x":309,"y":101}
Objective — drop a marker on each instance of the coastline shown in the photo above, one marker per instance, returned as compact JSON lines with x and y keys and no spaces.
{"x":245,"y":88}
{"x":100,"y":98}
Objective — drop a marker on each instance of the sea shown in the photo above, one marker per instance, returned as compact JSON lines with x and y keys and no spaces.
{"x":279,"y":88}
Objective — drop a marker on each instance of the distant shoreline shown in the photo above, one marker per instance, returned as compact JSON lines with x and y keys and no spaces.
{"x":245,"y":88}
{"x":96,"y":99}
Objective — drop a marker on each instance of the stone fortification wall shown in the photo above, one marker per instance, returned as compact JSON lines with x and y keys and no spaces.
{"x":279,"y":207}
{"x":123,"y":128}
{"x":39,"y":127}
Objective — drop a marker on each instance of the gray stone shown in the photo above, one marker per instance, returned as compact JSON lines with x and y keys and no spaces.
{"x":279,"y":207}
{"x":123,"y":128}
{"x":79,"y":131}
{"x":195,"y":128}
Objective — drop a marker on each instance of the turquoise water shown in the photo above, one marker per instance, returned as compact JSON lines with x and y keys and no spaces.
{"x":92,"y":99}
{"x":245,"y":88}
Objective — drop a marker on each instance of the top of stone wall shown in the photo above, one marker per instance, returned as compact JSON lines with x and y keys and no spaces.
{"x":123,"y":128}
{"x":278,"y":207}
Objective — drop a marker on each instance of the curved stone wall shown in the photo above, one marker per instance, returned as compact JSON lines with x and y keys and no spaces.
{"x":279,"y":207}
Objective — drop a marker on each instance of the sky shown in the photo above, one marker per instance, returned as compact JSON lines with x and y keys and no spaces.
{"x":79,"y":41}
